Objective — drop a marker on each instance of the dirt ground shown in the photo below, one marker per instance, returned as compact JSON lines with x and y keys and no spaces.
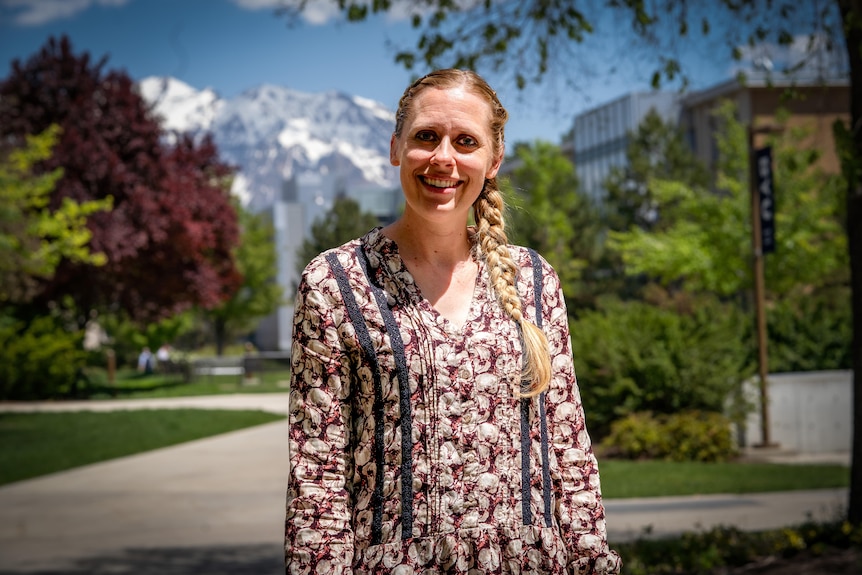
{"x":842,"y":562}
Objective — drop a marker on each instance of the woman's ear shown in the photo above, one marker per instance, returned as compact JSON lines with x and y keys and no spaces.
{"x":393,"y":151}
{"x":495,"y":167}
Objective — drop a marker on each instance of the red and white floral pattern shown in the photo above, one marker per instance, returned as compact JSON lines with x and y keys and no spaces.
{"x":465,"y":460}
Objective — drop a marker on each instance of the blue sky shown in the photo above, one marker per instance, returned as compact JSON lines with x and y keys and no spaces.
{"x":233,"y":45}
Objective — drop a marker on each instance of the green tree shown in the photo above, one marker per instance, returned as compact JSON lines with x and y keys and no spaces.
{"x":34,"y":238}
{"x":168,"y":236}
{"x":548,"y":213}
{"x":344,"y":222}
{"x":706,"y":243}
{"x":655,"y":150}
{"x":259,"y":294}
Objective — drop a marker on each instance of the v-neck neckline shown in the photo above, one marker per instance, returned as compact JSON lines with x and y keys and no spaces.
{"x":394,"y":266}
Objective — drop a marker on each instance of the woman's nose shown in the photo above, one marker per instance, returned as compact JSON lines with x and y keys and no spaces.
{"x":443,"y":152}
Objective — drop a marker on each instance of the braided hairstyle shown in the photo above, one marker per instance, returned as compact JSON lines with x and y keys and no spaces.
{"x":488,"y":212}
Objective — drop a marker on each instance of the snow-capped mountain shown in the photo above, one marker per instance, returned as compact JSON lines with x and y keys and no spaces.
{"x":274,"y":135}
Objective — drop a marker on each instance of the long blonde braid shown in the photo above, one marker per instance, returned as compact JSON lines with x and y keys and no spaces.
{"x":488,"y":213}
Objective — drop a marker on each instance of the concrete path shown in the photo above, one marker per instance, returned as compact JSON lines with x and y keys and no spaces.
{"x":660,"y":516}
{"x":270,"y":402}
{"x":216,"y":506}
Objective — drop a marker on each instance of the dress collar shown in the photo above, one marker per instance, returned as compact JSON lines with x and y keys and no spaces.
{"x":389,"y":271}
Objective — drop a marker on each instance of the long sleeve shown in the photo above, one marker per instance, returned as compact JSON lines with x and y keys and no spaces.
{"x":318,"y":534}
{"x":579,"y":511}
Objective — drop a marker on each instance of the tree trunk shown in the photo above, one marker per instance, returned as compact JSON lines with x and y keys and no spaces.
{"x":851,"y":16}
{"x":220,"y":336}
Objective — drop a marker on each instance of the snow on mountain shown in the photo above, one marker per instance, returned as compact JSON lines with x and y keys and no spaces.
{"x":183,"y":108}
{"x":275,"y":135}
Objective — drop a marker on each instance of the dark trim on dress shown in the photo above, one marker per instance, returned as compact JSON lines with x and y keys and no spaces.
{"x":406,"y":422}
{"x":538,"y":280}
{"x":365,"y":342}
{"x":356,"y":318}
{"x":527,"y":514}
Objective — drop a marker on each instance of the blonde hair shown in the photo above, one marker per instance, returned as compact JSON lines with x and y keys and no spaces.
{"x":488,"y":212}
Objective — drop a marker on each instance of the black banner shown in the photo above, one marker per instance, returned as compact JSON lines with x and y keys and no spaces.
{"x":766,"y":198}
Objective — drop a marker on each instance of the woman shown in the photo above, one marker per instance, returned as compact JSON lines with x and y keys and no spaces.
{"x":435,"y":420}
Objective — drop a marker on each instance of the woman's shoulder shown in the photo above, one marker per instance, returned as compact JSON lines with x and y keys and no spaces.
{"x":345,"y":254}
{"x":342,"y":253}
{"x":528,"y":259}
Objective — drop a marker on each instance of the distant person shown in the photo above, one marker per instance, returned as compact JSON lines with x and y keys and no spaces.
{"x":145,"y":361}
{"x":95,"y":335}
{"x":250,"y":364}
{"x":435,"y":421}
{"x":163,"y":354}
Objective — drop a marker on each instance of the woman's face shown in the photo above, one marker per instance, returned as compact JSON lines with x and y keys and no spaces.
{"x":445,"y":152}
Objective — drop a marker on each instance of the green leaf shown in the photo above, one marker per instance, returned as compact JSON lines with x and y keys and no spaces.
{"x":357,"y":13}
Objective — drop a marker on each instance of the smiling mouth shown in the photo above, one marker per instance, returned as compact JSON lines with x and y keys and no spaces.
{"x":439,"y":183}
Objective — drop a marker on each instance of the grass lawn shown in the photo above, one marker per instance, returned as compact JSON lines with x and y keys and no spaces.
{"x":669,"y":478}
{"x":33,"y":444}
{"x":129,"y":384}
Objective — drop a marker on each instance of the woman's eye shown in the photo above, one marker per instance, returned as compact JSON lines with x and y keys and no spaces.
{"x":425,"y":136}
{"x":468,"y":141}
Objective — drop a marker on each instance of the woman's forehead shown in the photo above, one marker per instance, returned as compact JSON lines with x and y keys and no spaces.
{"x":454,"y":105}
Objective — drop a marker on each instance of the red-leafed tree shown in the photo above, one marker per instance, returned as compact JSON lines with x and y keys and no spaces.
{"x":169,"y":237}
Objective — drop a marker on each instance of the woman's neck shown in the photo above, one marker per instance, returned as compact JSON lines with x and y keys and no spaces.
{"x":441,"y":263}
{"x":442,"y":246}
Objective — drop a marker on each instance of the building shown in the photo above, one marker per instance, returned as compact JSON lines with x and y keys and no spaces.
{"x":303,"y":200}
{"x":601,"y":135}
{"x":814,"y":105}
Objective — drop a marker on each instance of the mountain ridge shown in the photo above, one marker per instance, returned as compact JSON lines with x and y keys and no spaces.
{"x":275,"y":135}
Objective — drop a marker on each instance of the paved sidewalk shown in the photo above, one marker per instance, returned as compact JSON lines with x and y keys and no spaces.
{"x":216,"y":506}
{"x":210,"y":506}
{"x":270,"y":402}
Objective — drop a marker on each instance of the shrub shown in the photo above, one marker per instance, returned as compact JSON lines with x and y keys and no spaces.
{"x":685,"y":436}
{"x":39,"y":359}
{"x":717,"y":549}
{"x":128,"y":337}
{"x":635,"y":436}
{"x":810,"y":330}
{"x":632,"y":356}
{"x":698,"y":436}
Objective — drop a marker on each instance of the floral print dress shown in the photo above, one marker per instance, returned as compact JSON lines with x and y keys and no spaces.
{"x":409,"y":449}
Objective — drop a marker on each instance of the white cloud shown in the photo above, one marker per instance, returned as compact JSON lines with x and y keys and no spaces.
{"x":38,"y":12}
{"x":807,"y":56}
{"x":320,"y":12}
{"x":316,"y":12}
{"x":258,"y":4}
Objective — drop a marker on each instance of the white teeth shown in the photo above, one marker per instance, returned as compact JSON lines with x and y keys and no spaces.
{"x":440,"y":183}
